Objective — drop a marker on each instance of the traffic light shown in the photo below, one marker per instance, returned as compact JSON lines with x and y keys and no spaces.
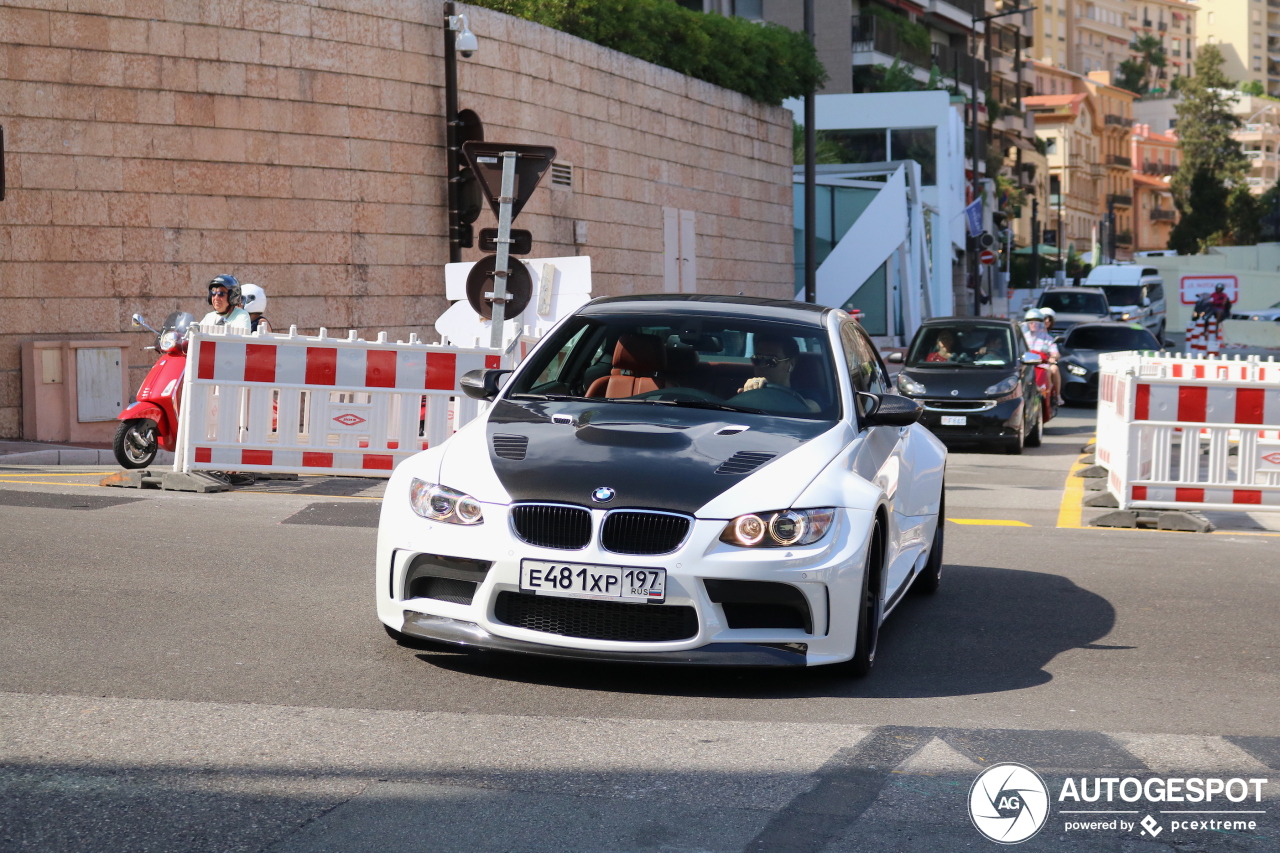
{"x":470,"y":199}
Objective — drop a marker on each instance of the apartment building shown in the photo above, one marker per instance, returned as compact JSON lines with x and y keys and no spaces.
{"x":1072,"y":130}
{"x":1154,"y":213}
{"x":1101,"y":35}
{"x":1259,"y":136}
{"x":1104,"y":170}
{"x":1248,"y":33}
{"x":1174,"y":23}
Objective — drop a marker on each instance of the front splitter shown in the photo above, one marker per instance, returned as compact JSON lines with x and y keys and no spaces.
{"x":459,"y":633}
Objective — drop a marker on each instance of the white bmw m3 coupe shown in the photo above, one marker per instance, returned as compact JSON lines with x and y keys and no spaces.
{"x":672,"y":479}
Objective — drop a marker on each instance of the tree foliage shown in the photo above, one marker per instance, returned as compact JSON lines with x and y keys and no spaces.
{"x":1209,"y":187}
{"x":826,"y":151}
{"x":1137,"y":75}
{"x":765,"y":62}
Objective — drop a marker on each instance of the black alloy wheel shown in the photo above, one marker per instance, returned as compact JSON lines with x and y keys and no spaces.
{"x":135,"y":444}
{"x":928,"y":580}
{"x":864,"y":652}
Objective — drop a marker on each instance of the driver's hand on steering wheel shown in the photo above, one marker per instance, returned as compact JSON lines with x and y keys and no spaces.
{"x":753,"y":384}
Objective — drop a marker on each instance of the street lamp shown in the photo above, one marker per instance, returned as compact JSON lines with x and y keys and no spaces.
{"x":458,"y":38}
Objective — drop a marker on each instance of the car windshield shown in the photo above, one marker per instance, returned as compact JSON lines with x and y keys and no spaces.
{"x":696,"y":361}
{"x":969,"y":345}
{"x":1123,"y":294}
{"x":1110,"y":339}
{"x":1075,"y":303}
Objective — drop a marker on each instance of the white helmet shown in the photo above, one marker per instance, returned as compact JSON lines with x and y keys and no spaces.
{"x":1049,"y":312}
{"x":255,"y":298}
{"x":1033,"y":314}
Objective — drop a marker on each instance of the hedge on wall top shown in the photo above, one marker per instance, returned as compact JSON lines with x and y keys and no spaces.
{"x":765,"y":62}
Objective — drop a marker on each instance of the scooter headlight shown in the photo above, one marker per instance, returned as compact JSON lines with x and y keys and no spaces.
{"x":170,"y":342}
{"x":778,"y":528}
{"x":441,"y":503}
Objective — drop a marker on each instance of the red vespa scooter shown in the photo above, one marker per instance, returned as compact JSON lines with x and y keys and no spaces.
{"x":151,"y":422}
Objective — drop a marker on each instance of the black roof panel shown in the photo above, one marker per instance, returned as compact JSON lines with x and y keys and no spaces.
{"x":753,"y":307}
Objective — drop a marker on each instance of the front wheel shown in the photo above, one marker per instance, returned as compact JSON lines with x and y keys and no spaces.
{"x":928,"y":581}
{"x":864,"y":652}
{"x":1036,"y":435}
{"x":135,"y":443}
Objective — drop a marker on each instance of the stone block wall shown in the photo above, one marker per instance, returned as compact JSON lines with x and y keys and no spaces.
{"x":153,"y":144}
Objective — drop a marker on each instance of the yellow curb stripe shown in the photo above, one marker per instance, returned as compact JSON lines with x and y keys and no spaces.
{"x":1071,"y":510}
{"x":990,"y":522}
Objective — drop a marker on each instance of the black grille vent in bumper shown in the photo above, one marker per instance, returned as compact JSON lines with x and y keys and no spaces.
{"x":510,"y":446}
{"x":761,"y":604}
{"x":443,"y":589}
{"x":744,"y":462}
{"x":552,"y":526}
{"x":597,"y":620}
{"x":628,"y":532}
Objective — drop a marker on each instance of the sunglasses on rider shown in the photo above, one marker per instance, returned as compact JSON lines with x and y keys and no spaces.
{"x":768,"y":360}
{"x":222,"y":293}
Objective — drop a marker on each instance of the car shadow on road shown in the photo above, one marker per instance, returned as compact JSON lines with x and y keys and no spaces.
{"x":987,"y":630}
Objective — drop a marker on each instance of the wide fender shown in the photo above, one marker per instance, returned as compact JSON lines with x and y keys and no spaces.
{"x":143,"y":409}
{"x":466,"y":464}
{"x":781,"y":483}
{"x":839,"y":484}
{"x":924,"y":464}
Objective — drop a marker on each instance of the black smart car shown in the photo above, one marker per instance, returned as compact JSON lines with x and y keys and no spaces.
{"x":1080,"y":350}
{"x":976,"y":380}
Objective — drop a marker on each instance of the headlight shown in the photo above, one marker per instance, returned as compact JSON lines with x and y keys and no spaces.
{"x":909,"y":386}
{"x":441,"y":503}
{"x":1076,"y":370}
{"x":1005,"y":386}
{"x":169,"y":342}
{"x":1255,"y":317}
{"x":781,"y":528}
{"x":1125,"y":316}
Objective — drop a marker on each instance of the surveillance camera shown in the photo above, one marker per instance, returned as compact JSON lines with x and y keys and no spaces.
{"x":465,"y":42}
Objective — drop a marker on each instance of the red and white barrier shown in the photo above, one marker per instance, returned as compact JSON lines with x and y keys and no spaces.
{"x":1190,"y":432}
{"x":1204,"y":335}
{"x":319,"y":405}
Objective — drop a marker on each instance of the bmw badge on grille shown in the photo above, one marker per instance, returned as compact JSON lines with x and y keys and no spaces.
{"x":603,"y":495}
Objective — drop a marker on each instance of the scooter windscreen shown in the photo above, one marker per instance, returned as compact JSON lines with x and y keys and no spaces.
{"x":173,"y":334}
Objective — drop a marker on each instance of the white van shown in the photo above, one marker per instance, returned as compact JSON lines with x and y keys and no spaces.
{"x":1135,"y":293}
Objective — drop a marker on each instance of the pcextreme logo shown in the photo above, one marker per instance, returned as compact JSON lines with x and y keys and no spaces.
{"x":1009,"y":803}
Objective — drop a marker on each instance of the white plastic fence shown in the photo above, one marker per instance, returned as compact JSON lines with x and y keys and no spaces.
{"x":1190,"y":432}
{"x":320,"y":405}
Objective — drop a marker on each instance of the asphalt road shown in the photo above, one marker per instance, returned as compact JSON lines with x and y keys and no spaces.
{"x":205,"y":672}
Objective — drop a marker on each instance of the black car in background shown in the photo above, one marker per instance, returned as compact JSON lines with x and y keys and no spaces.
{"x":1079,"y":351}
{"x":1074,"y":305}
{"x":976,"y":380}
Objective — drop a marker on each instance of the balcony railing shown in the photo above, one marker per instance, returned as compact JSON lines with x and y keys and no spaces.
{"x":1124,"y":238}
{"x":1146,"y":23}
{"x":1162,"y":26}
{"x":1120,"y":200}
{"x":1158,"y":215}
{"x":1117,"y":121}
{"x":1149,"y":168}
{"x":1119,"y":160}
{"x":869,"y":34}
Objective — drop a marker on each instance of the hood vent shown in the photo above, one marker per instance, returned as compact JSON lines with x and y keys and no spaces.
{"x":732,"y":429}
{"x":744,"y":462}
{"x":510,"y":446}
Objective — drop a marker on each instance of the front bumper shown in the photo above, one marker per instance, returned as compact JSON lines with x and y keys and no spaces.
{"x":985,"y":420}
{"x":1080,"y":389}
{"x":828,"y":574}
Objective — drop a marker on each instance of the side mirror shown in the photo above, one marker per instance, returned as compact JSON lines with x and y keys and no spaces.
{"x":138,"y":321}
{"x":1146,"y":302}
{"x":888,"y":409}
{"x":1031,"y":358}
{"x":895,"y":358}
{"x":482,"y":384}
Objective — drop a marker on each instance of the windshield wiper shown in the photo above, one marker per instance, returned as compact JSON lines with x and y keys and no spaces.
{"x":707,"y":404}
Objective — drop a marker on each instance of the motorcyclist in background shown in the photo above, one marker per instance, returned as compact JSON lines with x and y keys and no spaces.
{"x":255,"y":302}
{"x":223,"y":293}
{"x":1039,"y":339}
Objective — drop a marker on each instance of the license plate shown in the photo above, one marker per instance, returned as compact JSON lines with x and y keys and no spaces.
{"x":577,"y":580}
{"x":954,"y":420}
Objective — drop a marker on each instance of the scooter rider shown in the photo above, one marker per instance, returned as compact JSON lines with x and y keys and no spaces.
{"x":1039,"y":339}
{"x":223,"y":293}
{"x":254,"y":300}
